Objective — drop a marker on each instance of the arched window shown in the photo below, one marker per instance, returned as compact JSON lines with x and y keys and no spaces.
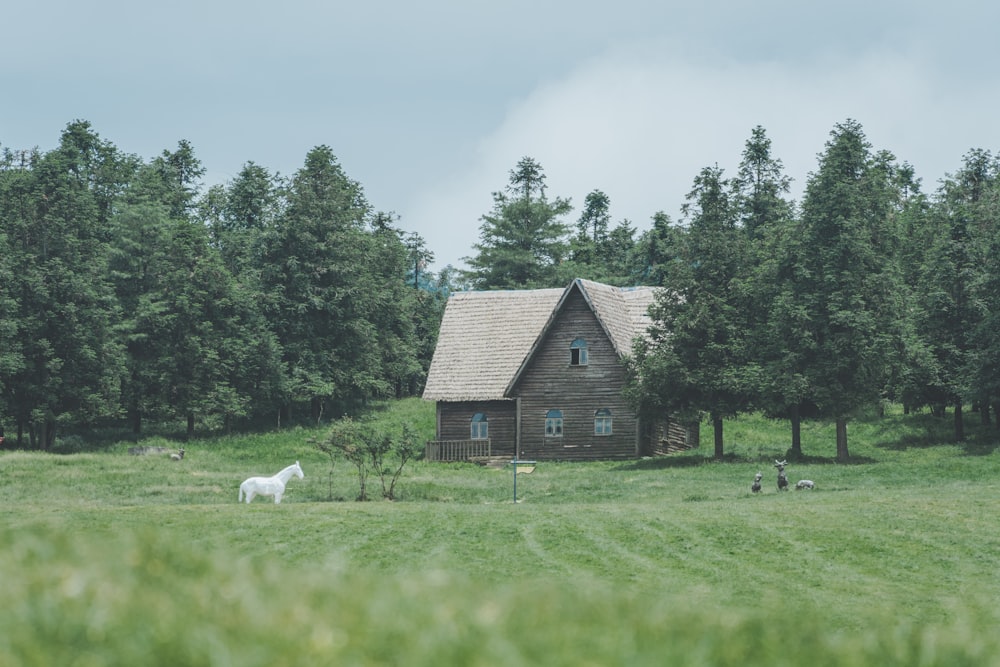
{"x":553,"y":424}
{"x":480,"y":427}
{"x":602,"y":422}
{"x":578,"y":353}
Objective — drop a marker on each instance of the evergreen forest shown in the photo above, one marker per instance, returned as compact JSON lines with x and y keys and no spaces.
{"x":133,"y":295}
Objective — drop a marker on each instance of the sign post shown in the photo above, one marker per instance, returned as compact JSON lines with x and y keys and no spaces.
{"x":522,"y":466}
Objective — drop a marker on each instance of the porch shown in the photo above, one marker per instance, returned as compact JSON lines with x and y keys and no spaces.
{"x":457,"y":450}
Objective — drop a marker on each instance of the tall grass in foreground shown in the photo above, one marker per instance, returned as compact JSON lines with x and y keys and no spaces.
{"x":144,"y":599}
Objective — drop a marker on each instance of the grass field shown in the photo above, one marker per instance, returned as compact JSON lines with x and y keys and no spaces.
{"x":894,"y":559}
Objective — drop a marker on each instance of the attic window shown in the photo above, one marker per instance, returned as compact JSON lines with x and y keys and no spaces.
{"x":480,"y":427}
{"x":602,"y":422}
{"x":553,"y":424}
{"x":578,"y":353}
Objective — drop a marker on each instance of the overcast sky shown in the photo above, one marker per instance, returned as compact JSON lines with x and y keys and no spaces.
{"x":429,"y":105}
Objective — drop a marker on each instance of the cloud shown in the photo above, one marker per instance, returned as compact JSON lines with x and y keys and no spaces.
{"x":640,"y":123}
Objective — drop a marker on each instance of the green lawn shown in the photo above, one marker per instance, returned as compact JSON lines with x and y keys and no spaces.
{"x":892,"y":559}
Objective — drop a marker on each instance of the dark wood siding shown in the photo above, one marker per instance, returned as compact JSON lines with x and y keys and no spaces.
{"x":552,"y":382}
{"x":454,"y":420}
{"x":666,"y":436}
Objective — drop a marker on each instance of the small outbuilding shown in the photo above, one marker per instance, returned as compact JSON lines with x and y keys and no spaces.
{"x":538,"y":374}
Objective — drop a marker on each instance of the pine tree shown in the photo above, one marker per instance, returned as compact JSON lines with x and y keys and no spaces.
{"x":66,"y":310}
{"x":523,"y":240}
{"x":774,"y":369}
{"x":984,"y":369}
{"x":965,"y":211}
{"x":695,"y":357}
{"x":845,"y":283}
{"x":197,"y":345}
{"x":238,"y":214}
{"x":656,"y":250}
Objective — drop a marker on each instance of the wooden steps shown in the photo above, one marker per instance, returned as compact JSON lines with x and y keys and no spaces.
{"x":491,"y":461}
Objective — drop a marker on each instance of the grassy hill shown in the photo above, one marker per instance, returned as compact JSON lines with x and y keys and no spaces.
{"x":110,"y":558}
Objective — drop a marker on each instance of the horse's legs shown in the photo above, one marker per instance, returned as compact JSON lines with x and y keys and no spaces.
{"x":277,"y":498}
{"x":250,"y":495}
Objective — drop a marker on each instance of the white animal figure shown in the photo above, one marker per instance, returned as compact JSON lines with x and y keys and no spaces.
{"x":755,"y":487}
{"x":269,"y":486}
{"x":179,"y":456}
{"x":805,"y":484}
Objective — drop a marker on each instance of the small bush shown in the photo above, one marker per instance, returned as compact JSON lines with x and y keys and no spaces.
{"x":372,"y":452}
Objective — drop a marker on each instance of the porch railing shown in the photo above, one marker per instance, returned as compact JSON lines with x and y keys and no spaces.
{"x":456,"y":450}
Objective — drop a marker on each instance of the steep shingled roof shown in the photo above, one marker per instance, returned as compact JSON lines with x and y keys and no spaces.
{"x":622,"y":311}
{"x":486,"y":337}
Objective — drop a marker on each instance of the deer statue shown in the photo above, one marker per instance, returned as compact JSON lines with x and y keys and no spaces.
{"x":805,"y":484}
{"x":179,"y":456}
{"x":755,"y":487}
{"x":782,"y":479}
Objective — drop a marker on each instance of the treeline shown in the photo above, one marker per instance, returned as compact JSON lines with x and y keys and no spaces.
{"x":129,"y":296}
{"x":868,"y":291}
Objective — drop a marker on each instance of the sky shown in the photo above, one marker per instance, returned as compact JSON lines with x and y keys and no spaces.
{"x":430,"y":105}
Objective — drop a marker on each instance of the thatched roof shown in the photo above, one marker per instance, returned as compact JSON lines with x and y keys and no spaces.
{"x":622,"y":311}
{"x":487,"y":337}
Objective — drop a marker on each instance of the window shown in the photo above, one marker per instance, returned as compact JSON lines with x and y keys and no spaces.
{"x":553,"y":424}
{"x":602,"y":422}
{"x":578,"y":353}
{"x":480,"y":427}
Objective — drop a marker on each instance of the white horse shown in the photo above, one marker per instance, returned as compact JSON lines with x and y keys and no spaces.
{"x":270,"y":486}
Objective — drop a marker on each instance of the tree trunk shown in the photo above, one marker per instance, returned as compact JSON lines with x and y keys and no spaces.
{"x":959,"y":424}
{"x":843,"y":456}
{"x":693,"y":436}
{"x":717,"y":426}
{"x":190,"y":425}
{"x":135,"y":417}
{"x":45,"y":430}
{"x":796,"y":419}
{"x":317,"y":406}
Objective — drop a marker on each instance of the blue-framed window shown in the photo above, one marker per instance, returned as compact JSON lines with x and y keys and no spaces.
{"x":553,"y":424}
{"x":479,"y":427}
{"x":602,"y":422}
{"x":578,"y":353}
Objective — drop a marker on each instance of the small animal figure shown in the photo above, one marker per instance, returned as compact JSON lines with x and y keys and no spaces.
{"x":805,"y":484}
{"x":755,"y":487}
{"x":782,"y":479}
{"x":179,"y":456}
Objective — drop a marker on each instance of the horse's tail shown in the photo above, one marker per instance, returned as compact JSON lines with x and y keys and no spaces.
{"x":241,"y":493}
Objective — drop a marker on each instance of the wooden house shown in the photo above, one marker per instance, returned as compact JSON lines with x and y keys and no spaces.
{"x":538,"y":374}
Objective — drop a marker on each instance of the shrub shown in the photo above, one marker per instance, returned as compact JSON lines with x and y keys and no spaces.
{"x":372,"y":452}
